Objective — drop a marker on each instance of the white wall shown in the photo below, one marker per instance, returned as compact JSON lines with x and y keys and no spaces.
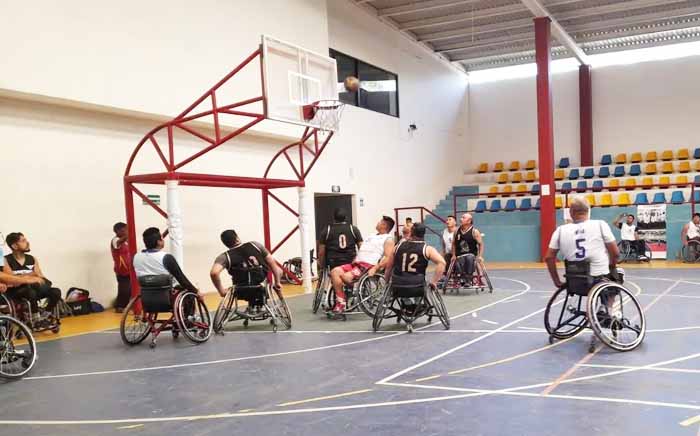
{"x":62,"y":168}
{"x":637,"y":107}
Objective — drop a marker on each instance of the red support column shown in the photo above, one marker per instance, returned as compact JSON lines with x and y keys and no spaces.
{"x":266,"y":218}
{"x":545,"y":131}
{"x":585,"y":101}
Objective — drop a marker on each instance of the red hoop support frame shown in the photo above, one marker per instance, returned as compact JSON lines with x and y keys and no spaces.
{"x":294,"y":155}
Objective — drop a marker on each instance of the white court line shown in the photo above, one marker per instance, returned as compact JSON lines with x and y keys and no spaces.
{"x":641,"y":368}
{"x":489,"y":322}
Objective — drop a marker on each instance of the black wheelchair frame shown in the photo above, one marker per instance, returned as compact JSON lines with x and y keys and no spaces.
{"x":627,"y":253}
{"x":691,"y":251}
{"x":21,"y":309}
{"x":362,"y":295}
{"x":263,"y":303}
{"x":410,"y":303}
{"x":456,"y":280}
{"x":17,"y":348}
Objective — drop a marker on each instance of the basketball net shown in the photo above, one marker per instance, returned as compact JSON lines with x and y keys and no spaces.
{"x":325,"y":114}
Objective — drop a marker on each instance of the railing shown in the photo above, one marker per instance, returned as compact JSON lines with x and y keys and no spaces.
{"x":422,"y":210}
{"x":567,"y":192}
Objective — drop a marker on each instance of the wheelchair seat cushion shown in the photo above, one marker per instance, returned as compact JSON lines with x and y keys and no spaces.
{"x":578,"y":277}
{"x":408,"y":291}
{"x":252,"y":276}
{"x":156,"y":293}
{"x":254,"y":295}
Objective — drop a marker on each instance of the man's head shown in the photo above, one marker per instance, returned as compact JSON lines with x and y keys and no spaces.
{"x":451,"y":221}
{"x":406,"y":232}
{"x":630,"y":219}
{"x":696,"y":219}
{"x":152,"y":239}
{"x":120,"y":229}
{"x":409,"y":221}
{"x":339,"y":215}
{"x":385,"y":225}
{"x":466,"y":220}
{"x":18,"y":243}
{"x":229,"y":238}
{"x":578,"y":209}
{"x":418,"y":231}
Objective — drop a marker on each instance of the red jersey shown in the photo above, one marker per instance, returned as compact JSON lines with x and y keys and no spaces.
{"x":121,"y":257}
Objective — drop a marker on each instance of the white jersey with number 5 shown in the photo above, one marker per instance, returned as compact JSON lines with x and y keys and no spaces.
{"x":585,"y":241}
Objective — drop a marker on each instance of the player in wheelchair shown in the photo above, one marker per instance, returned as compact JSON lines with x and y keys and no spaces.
{"x":407,"y":296}
{"x":249,"y":265}
{"x":690,"y":237}
{"x":631,"y":247}
{"x":357,"y":284}
{"x":593,"y":294}
{"x":17,"y":346}
{"x":466,"y":270}
{"x":164,"y":290}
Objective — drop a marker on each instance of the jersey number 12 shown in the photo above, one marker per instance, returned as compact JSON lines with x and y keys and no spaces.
{"x":413,"y":258}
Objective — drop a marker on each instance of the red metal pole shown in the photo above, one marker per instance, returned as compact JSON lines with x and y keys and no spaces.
{"x":131,"y":223}
{"x":396,"y":220}
{"x":266,"y":218}
{"x":585,"y":101}
{"x":545,"y":131}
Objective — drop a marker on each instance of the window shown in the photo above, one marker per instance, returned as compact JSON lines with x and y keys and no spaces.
{"x":378,"y":91}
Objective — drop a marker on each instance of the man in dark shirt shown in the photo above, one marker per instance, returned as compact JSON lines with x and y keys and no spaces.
{"x":338,"y":243}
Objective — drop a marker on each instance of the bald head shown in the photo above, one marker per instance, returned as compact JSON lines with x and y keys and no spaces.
{"x":466,"y":219}
{"x":578,"y":208}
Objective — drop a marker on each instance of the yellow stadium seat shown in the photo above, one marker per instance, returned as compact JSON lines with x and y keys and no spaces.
{"x":493,"y":191}
{"x":614,"y":184}
{"x":591,"y":199}
{"x":681,"y":180}
{"x":605,"y":200}
{"x":621,"y":158}
{"x":521,"y":189}
{"x":651,"y":156}
{"x":650,"y":168}
{"x":483,"y":167}
{"x":664,"y":180}
{"x":667,"y":155}
{"x":507,"y":190}
{"x":531,"y":176}
{"x":683,"y":154}
{"x":514,"y":166}
{"x":696,"y":165}
{"x":636,"y":157}
{"x":559,"y":174}
{"x":684,"y":167}
{"x":516,"y":178}
{"x":647,"y":182}
{"x":630,"y":183}
{"x":558,"y":201}
{"x":503,"y":178}
{"x":498,"y":167}
{"x":530,"y":165}
{"x":623,"y":200}
{"x":667,"y":167}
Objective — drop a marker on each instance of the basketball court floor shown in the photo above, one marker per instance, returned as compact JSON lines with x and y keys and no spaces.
{"x":493,"y":373}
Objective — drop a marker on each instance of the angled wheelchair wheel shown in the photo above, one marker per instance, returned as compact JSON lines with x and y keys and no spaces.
{"x":282,"y":314}
{"x":17,"y":356}
{"x":565,"y":315}
{"x":320,"y":291}
{"x":438,"y":307}
{"x":370,"y":290}
{"x":691,"y":252}
{"x":484,"y":276}
{"x":192,"y":317}
{"x":6,"y":306}
{"x":223,"y":311}
{"x":384,"y":304}
{"x":625,"y":249}
{"x":134,"y":328}
{"x":616,"y":317}
{"x":446,"y":283}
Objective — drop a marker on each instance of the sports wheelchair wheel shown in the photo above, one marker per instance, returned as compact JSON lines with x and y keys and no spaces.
{"x":438,"y":306}
{"x":625,"y":249}
{"x":321,"y":285}
{"x":17,"y":357}
{"x":6,"y":306}
{"x":384,"y":302}
{"x":448,"y":275}
{"x":616,"y":317}
{"x":484,"y":275}
{"x":279,"y":309}
{"x":370,"y":292}
{"x":134,"y":328}
{"x":223,"y":311}
{"x":691,"y":252}
{"x":196,"y":325}
{"x":567,"y":321}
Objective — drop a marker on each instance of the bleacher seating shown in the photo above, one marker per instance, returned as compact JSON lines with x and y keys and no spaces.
{"x":619,"y":171}
{"x":636,"y":157}
{"x":606,"y":159}
{"x":621,"y":158}
{"x":573,"y":174}
{"x":650,"y":169}
{"x":630,"y":183}
{"x":683,"y":154}
{"x":696,"y":153}
{"x":614,"y":184}
{"x":591,"y":199}
{"x":503,"y":178}
{"x":581,"y":186}
{"x":651,"y":157}
{"x":514,"y":166}
{"x":521,"y":189}
{"x":535,"y":189}
{"x":696,"y":181}
{"x":480,"y":206}
{"x":684,"y":167}
{"x":635,"y":170}
{"x":507,"y":190}
{"x":667,"y":155}
{"x":606,"y":200}
{"x":623,"y":199}
{"x":559,"y":174}
{"x":564,"y":162}
{"x":659,"y":198}
{"x":531,"y":176}
{"x":530,"y":165}
{"x":526,"y":204}
{"x":667,"y":167}
{"x":537,"y":204}
{"x":647,"y":182}
{"x":677,"y":197}
{"x":604,"y":172}
{"x":641,"y":198}
{"x":483,"y":168}
{"x":588,"y":173}
{"x":498,"y":167}
{"x":510,"y":205}
{"x":495,"y":205}
{"x":597,"y":185}
{"x":516,"y":178}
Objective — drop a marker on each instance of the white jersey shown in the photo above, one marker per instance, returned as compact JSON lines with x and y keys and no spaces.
{"x":372,"y":248}
{"x":447,"y":238}
{"x":585,"y":241}
{"x":693,"y":231}
{"x":627,"y":231}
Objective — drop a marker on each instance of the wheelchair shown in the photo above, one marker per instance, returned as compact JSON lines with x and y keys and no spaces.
{"x":292,"y":265}
{"x":691,"y":251}
{"x":264,"y":303}
{"x":362,"y":295}
{"x":410,"y":303}
{"x":186,"y":313}
{"x":456,"y":280}
{"x":604,"y":305}
{"x":629,"y":253}
{"x":21,"y":309}
{"x":17,"y":348}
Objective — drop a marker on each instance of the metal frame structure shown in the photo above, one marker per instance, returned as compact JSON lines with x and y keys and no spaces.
{"x":301,"y":156}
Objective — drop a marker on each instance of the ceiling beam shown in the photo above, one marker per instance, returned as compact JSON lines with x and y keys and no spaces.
{"x":557,"y":31}
{"x":422,"y":7}
{"x":466,"y":16}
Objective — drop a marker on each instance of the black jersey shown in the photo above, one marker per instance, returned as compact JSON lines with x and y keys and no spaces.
{"x":19,"y":269}
{"x":410,"y":263}
{"x":246,"y":263}
{"x":465,"y":242}
{"x":341,"y":241}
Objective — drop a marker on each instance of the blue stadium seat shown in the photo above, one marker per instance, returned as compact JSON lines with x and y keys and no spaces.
{"x":606,"y":159}
{"x":597,"y":185}
{"x":588,"y":173}
{"x":536,"y":189}
{"x":564,"y":162}
{"x":537,"y":205}
{"x":510,"y":205}
{"x":696,"y":197}
{"x":604,"y":172}
{"x":619,"y":171}
{"x":697,"y":180}
{"x":659,"y":198}
{"x":495,"y":206}
{"x":581,"y":186}
{"x":566,"y":187}
{"x":696,"y":153}
{"x":480,"y":206}
{"x":526,"y":204}
{"x":635,"y":170}
{"x":574,"y":174}
{"x":641,"y":198}
{"x":677,"y":197}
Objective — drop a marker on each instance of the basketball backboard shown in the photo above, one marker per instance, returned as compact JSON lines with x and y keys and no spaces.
{"x":294,"y":77}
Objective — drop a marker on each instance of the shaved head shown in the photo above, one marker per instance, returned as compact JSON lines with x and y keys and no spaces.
{"x":466,"y":219}
{"x":578,"y":208}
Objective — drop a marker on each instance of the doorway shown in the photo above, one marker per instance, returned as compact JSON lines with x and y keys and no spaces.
{"x":325,"y":204}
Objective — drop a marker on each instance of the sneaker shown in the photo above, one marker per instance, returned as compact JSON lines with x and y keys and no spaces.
{"x":604,"y":319}
{"x":339,"y":307}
